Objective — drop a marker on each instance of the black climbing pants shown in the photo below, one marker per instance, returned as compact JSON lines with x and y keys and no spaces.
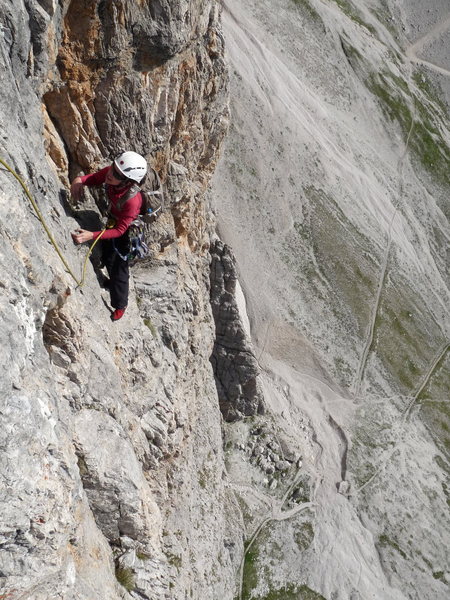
{"x":118,"y":269}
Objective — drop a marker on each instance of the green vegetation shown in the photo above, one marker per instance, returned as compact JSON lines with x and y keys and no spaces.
{"x":406,"y":336}
{"x":302,"y":491}
{"x":430,"y":148}
{"x":393,"y":103}
{"x":363,"y":471}
{"x":125,"y":577}
{"x":430,"y":90}
{"x":203,"y":478}
{"x":344,"y":369}
{"x":308,"y":9}
{"x":250,"y":575}
{"x":351,"y":274}
{"x":383,"y":14}
{"x":374,"y":434}
{"x":399,"y":104}
{"x":302,"y":230}
{"x":292,"y":592}
{"x":437,"y":385}
{"x":82,"y":466}
{"x":327,"y":254}
{"x":245,"y":511}
{"x":174,"y":560}
{"x":268,"y":551}
{"x":385,"y":542}
{"x":148,"y":323}
{"x":353,"y":14}
{"x":436,"y":417}
{"x":304,"y":535}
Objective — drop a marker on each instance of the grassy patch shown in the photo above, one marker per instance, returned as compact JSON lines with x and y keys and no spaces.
{"x":174,"y":560}
{"x":302,"y":491}
{"x":344,"y":369}
{"x":271,"y":549}
{"x":437,"y":387}
{"x":292,"y":592}
{"x":383,"y":14}
{"x":385,"y":542}
{"x":436,"y":417}
{"x":338,"y":266}
{"x":82,"y":466}
{"x":308,"y":9}
{"x":250,"y":576}
{"x":350,"y":273}
{"x":374,"y":433}
{"x":406,"y":335}
{"x":125,"y":577}
{"x":427,"y":144}
{"x":148,"y":323}
{"x":432,"y":92}
{"x":203,"y":478}
{"x":352,"y":13}
{"x":431,"y":149}
{"x":393,"y":102}
{"x":304,"y":535}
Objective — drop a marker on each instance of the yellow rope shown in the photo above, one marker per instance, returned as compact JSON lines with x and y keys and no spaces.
{"x":80,"y":282}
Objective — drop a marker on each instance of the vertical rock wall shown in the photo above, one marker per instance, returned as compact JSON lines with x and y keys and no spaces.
{"x":234,"y":363}
{"x":111,"y":442}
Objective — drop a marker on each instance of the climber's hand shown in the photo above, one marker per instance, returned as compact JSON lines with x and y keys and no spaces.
{"x":81,"y":235}
{"x":76,"y":189}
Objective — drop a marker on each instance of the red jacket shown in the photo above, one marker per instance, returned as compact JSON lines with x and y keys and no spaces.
{"x":126,"y":215}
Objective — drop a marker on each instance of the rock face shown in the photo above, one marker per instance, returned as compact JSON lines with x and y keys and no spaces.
{"x":235,"y":367}
{"x":161,"y":457}
{"x":111,"y":438}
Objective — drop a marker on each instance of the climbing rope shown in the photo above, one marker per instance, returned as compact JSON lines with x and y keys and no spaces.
{"x":80,"y":282}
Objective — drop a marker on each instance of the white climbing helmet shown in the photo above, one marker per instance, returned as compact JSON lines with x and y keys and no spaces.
{"x":131,"y":165}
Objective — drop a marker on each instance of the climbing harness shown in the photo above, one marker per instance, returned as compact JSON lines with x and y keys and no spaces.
{"x":137,"y":247}
{"x":80,"y":282}
{"x":152,"y":205}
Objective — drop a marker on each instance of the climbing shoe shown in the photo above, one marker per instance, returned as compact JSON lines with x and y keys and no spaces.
{"x":118,"y":314}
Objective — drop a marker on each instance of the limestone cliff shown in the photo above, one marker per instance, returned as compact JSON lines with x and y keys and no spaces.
{"x":161,"y":457}
{"x":111,"y":438}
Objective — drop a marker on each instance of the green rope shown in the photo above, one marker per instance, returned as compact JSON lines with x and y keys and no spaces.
{"x":80,"y":282}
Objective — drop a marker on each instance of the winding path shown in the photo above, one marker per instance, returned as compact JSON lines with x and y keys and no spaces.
{"x":412,"y":51}
{"x":411,"y":55}
{"x":404,"y":418}
{"x":275,"y":513}
{"x":382,"y":278}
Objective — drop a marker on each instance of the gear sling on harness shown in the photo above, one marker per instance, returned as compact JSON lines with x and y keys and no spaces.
{"x":152,"y":204}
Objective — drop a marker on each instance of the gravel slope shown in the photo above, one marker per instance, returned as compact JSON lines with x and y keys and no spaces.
{"x":339,"y":222}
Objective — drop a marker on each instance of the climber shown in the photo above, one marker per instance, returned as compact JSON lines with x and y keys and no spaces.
{"x":121,"y":180}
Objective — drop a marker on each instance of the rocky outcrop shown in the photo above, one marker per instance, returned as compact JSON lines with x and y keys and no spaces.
{"x":121,"y":478}
{"x":235,"y":366}
{"x":111,"y":442}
